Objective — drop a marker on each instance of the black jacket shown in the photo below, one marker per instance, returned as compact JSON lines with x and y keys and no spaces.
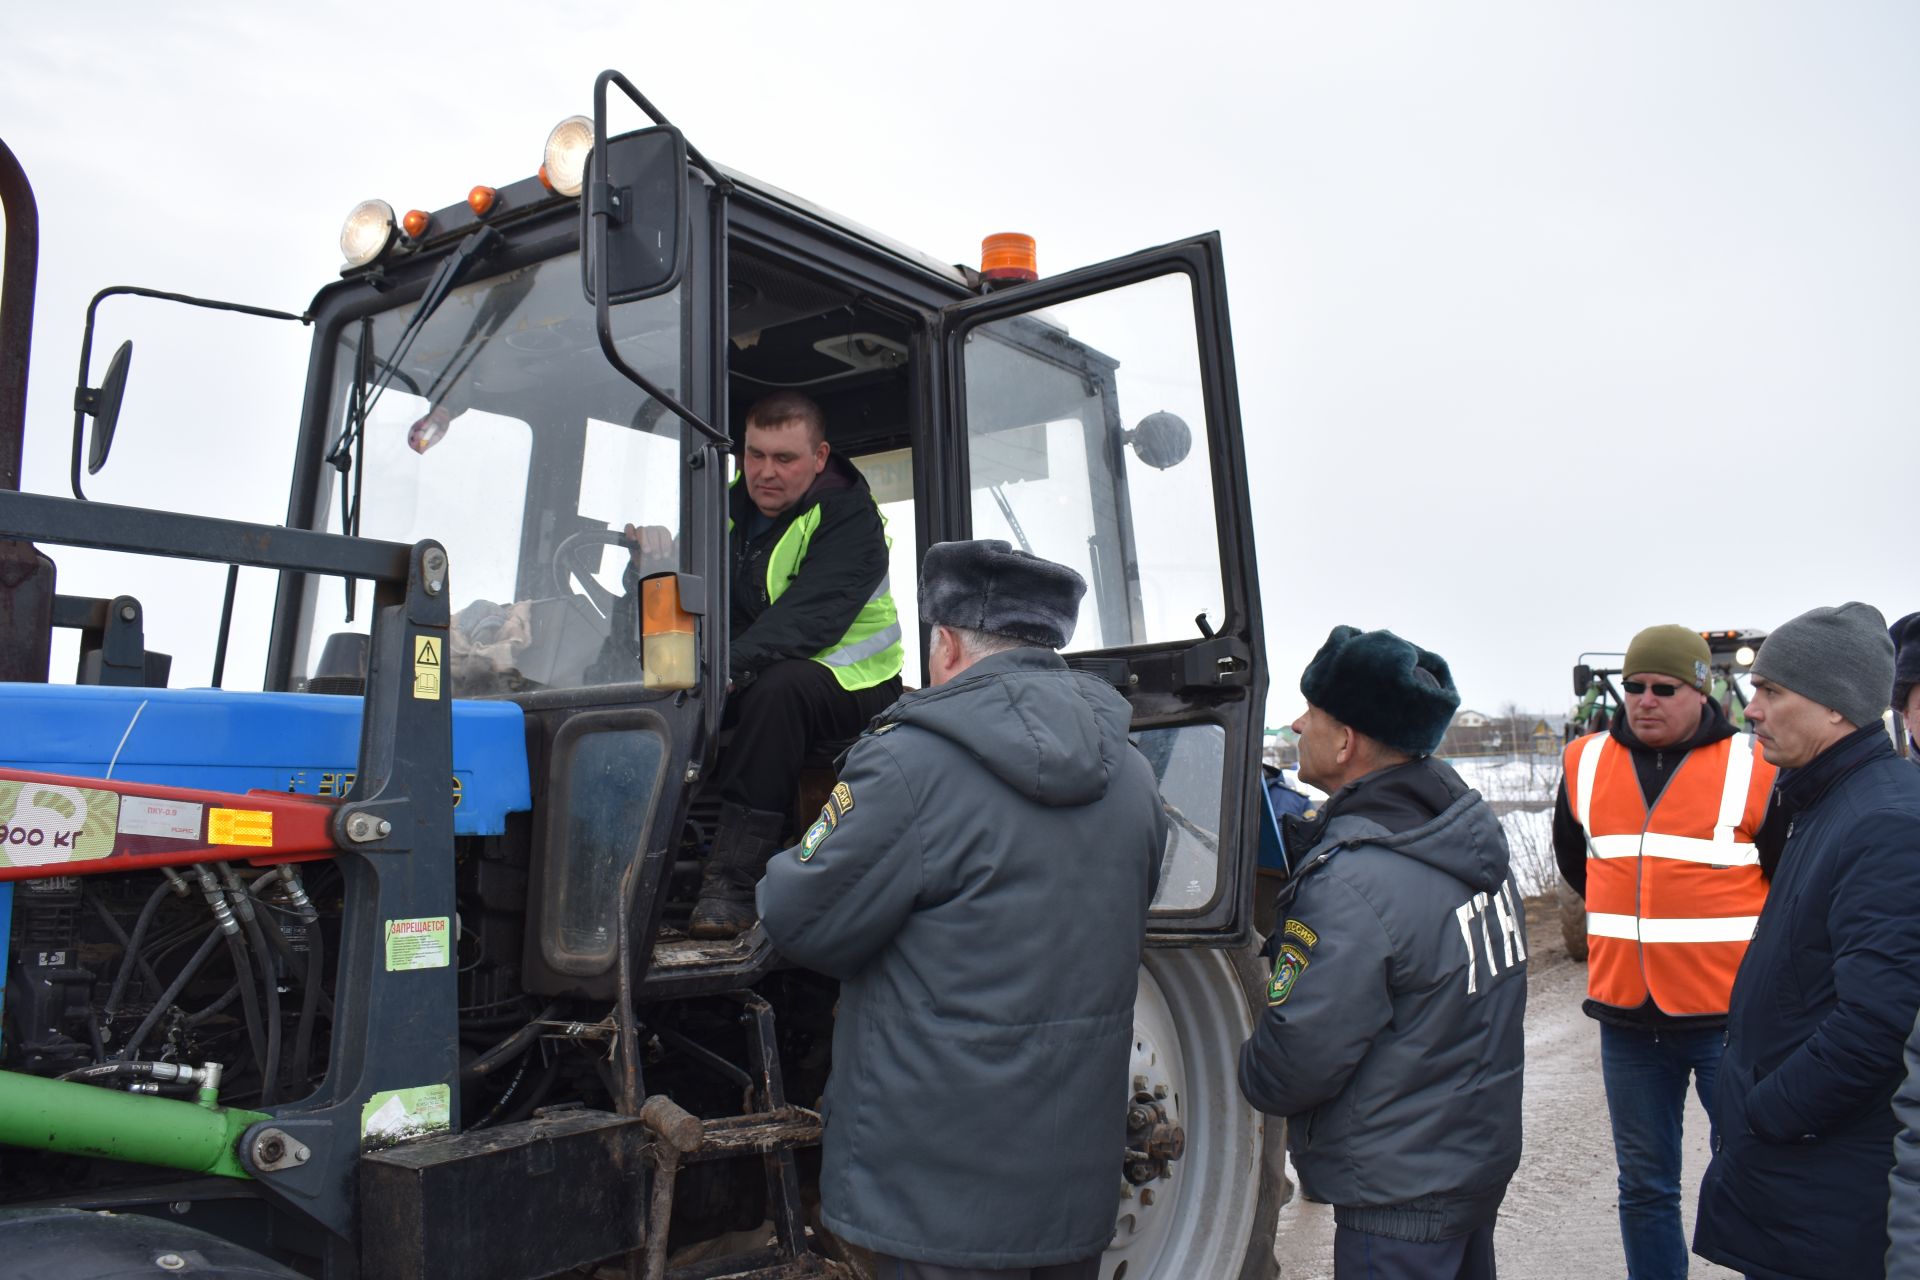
{"x":1393,"y":1038}
{"x":979,"y":883}
{"x":845,"y":560}
{"x":1827,"y":994}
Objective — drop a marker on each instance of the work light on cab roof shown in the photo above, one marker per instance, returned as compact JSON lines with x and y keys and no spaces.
{"x":563,"y":167}
{"x":368,"y":233}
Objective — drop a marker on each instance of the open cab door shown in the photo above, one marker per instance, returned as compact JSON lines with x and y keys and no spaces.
{"x":1096,"y":423}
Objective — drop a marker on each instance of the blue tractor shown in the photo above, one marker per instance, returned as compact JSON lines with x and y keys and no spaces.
{"x":383,"y":971}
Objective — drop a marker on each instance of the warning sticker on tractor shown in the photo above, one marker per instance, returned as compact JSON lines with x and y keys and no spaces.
{"x":252,"y":828}
{"x":170,"y":819}
{"x":426,"y":943}
{"x":399,"y":1114}
{"x":426,"y":667}
{"x":42,"y":824}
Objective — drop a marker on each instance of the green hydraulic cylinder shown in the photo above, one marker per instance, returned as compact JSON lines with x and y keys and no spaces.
{"x":84,"y":1119}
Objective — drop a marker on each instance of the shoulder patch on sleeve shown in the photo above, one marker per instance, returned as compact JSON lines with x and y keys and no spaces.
{"x":1294,"y":929}
{"x":842,"y":799}
{"x":816,"y":833}
{"x":1287,"y":968}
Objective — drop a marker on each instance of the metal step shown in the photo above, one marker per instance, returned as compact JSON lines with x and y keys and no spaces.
{"x":684,"y":966}
{"x":764,"y":1264}
{"x":760,"y":1133}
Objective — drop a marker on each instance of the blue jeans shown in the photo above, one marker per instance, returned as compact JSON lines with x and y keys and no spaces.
{"x":1646,"y":1076}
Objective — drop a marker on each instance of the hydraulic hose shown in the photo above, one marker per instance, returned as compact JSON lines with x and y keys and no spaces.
{"x":298,"y":964}
{"x":536,"y":1092}
{"x":310,"y":997}
{"x":167,"y":997}
{"x":227,"y":998}
{"x":249,"y":999}
{"x":250,"y":922}
{"x":132,"y":944}
{"x":510,"y":1048}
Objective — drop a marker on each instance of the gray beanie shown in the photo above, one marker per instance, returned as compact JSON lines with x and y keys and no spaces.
{"x":1841,"y":658}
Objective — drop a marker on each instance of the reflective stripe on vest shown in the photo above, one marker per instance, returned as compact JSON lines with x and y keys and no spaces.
{"x":871,"y":650}
{"x":1672,"y":895}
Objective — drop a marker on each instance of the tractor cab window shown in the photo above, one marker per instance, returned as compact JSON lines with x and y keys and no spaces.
{"x":502,"y":432}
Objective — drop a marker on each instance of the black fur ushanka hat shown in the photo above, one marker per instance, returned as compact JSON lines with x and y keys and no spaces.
{"x":1390,"y":689}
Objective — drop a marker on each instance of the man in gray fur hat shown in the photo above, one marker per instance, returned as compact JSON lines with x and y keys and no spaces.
{"x":1802,"y":1106}
{"x":986,"y":831}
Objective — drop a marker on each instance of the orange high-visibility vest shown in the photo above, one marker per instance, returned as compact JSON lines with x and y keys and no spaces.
{"x":1672,"y":894}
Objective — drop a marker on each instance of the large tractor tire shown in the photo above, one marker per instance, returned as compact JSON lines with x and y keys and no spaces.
{"x":1212,"y":1214}
{"x":70,"y":1244}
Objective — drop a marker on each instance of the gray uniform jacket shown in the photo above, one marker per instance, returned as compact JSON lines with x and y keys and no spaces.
{"x":1903,"y":1206}
{"x":1393,"y":1036}
{"x":979,"y":882}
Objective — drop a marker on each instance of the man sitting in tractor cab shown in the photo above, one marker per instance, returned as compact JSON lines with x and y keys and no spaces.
{"x":816,"y":642}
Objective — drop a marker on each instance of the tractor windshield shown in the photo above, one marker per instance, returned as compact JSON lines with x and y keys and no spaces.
{"x":504,"y":434}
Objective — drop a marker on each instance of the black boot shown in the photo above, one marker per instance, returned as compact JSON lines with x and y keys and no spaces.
{"x":741,"y":847}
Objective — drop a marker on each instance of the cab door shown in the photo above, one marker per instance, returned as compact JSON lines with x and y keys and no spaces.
{"x":1093,"y":419}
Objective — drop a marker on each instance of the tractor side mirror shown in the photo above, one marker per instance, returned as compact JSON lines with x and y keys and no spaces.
{"x":1162,"y":440}
{"x":633,"y":219}
{"x":1582,"y":680}
{"x":102,"y":404}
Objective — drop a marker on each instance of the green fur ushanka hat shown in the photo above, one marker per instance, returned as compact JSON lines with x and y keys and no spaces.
{"x":1393,"y":691}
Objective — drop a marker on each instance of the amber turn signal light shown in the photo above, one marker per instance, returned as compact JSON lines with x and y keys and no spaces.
{"x":668,"y":657}
{"x":416,"y":222}
{"x":481,"y":199}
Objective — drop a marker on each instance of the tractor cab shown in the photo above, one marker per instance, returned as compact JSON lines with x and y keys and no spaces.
{"x":467,"y":385}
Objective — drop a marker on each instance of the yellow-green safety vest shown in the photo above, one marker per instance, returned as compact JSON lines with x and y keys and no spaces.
{"x":870,"y":651}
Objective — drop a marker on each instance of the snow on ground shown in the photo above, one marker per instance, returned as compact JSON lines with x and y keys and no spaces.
{"x":1521,"y":789}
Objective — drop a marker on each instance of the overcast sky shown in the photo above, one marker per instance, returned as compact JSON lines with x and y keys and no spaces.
{"x":1553,"y":320}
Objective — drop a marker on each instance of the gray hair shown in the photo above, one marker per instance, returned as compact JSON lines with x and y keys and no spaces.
{"x":975,"y":645}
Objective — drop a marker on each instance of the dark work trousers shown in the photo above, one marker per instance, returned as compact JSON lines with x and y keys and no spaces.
{"x":901,"y":1269}
{"x":793,"y":704}
{"x":1360,"y":1255}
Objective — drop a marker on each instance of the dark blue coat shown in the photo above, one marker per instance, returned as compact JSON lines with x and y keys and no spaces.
{"x":1802,"y":1107}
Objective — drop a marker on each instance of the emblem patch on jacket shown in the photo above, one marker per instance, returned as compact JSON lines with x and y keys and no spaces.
{"x":842,"y":799}
{"x":1287,"y":968}
{"x":819,"y":831}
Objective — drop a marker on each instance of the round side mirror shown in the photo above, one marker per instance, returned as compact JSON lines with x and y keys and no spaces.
{"x":1161,"y":440}
{"x":104,"y":407}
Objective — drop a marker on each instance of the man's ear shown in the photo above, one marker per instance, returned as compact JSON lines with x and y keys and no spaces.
{"x":1349,"y":745}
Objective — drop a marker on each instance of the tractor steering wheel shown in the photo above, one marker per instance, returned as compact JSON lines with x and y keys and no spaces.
{"x":569,"y":568}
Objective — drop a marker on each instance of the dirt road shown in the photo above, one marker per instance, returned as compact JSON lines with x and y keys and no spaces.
{"x":1558,"y":1222}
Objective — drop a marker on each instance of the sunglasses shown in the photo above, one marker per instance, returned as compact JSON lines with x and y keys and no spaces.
{"x":1638,"y":687}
